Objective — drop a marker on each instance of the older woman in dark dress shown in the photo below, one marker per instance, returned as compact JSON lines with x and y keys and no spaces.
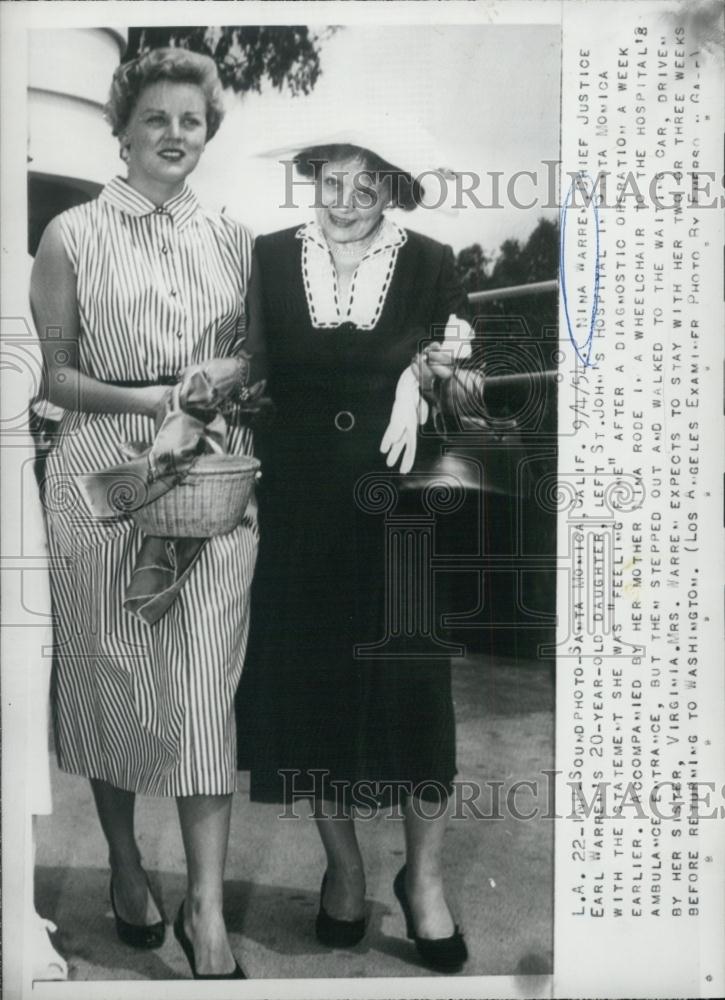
{"x":345,"y":302}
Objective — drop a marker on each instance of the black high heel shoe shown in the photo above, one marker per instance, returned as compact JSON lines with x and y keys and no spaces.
{"x":137,"y":935}
{"x":183,"y":938}
{"x":334,"y":933}
{"x":444,"y":954}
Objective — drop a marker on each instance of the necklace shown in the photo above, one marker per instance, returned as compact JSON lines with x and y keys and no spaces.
{"x":358,"y":248}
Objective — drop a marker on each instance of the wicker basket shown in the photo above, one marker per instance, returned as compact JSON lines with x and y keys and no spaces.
{"x":211,"y":500}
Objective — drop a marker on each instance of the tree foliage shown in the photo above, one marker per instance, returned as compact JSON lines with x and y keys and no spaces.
{"x":286,"y":56}
{"x":473,"y":265}
{"x":541,"y":257}
{"x":515,"y":263}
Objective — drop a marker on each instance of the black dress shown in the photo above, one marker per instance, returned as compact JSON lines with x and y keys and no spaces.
{"x":313,"y":699}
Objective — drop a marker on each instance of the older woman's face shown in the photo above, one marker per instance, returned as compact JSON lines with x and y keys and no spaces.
{"x":166,"y":133}
{"x":350,"y":202}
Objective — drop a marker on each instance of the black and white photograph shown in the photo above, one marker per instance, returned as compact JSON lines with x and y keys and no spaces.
{"x":361,"y":448}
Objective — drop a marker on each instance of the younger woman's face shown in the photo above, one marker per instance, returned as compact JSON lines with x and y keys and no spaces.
{"x":166,"y":135}
{"x":350,"y":201}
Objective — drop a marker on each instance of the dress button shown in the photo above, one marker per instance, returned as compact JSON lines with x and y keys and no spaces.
{"x":344,"y":420}
{"x":179,"y":336}
{"x":164,"y":249}
{"x":172,"y":293}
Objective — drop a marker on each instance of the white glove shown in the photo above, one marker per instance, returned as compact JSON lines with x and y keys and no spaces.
{"x":457,"y":338}
{"x":409,"y":410}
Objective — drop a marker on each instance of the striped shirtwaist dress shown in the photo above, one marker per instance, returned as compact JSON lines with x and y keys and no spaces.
{"x":146,"y":708}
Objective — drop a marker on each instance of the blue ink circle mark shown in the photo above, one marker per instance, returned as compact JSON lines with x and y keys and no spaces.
{"x":584,"y":349}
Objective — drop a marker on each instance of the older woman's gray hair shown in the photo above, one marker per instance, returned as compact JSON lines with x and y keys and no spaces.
{"x":174,"y":65}
{"x":405,"y":191}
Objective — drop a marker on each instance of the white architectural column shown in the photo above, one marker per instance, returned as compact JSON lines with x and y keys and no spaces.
{"x":69,"y":76}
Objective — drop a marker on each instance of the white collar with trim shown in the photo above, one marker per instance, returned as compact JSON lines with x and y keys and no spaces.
{"x":370,"y":282}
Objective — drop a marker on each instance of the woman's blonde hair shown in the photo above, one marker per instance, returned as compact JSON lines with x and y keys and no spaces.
{"x":176,"y":65}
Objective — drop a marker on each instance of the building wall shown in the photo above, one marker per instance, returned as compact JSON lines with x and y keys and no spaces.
{"x":71,"y":150}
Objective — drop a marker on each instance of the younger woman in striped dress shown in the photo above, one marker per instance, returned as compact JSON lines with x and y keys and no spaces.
{"x":127,"y":291}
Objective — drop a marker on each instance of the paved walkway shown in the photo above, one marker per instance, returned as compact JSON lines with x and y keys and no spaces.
{"x":500,"y":872}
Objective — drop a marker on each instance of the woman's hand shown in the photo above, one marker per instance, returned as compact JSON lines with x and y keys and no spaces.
{"x":436,"y":361}
{"x":439,"y":360}
{"x":225,"y":375}
{"x":160,"y":397}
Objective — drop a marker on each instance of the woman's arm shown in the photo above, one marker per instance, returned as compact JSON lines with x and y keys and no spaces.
{"x":439,"y":360}
{"x":451,"y":296}
{"x":54,"y":305}
{"x":450,"y":376}
{"x":254,"y":341}
{"x":247,"y":364}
